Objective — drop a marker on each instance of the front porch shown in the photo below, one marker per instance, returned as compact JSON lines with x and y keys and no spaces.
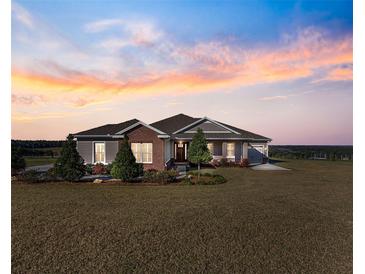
{"x":230,"y":150}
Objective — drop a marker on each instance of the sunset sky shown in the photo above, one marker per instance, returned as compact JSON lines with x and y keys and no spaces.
{"x":282,"y":69}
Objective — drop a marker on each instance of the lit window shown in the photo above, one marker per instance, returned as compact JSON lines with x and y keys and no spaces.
{"x":211,"y":148}
{"x":142,"y":152}
{"x":230,"y":149}
{"x":99,"y":149}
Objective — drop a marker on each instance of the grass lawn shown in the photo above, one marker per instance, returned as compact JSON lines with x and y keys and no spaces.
{"x":38,"y":161}
{"x":259,"y":221}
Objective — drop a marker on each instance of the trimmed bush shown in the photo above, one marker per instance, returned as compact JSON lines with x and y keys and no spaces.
{"x":89,"y":169}
{"x":215,"y":179}
{"x":219,"y":179}
{"x":50,"y":175}
{"x":108,"y":168}
{"x":160,"y":177}
{"x":70,"y":166}
{"x":31,"y":176}
{"x":149,"y":176}
{"x":125,"y":166}
{"x":223,"y":162}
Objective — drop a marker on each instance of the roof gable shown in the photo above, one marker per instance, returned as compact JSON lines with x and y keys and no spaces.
{"x":207,"y":126}
{"x":108,"y":129}
{"x":173,"y":123}
{"x":140,"y":123}
{"x":203,"y":120}
{"x":248,"y":134}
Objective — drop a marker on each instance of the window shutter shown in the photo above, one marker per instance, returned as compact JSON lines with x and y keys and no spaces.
{"x":224,"y":149}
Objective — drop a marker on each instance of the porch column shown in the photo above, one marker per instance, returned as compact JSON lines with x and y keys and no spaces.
{"x":245,"y":150}
{"x":266,"y":148}
{"x":224,"y":149}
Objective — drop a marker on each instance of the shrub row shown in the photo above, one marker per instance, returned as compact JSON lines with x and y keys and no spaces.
{"x":205,"y":179}
{"x":32,"y":176}
{"x":98,"y":169}
{"x":225,"y":163}
{"x":161,"y":177}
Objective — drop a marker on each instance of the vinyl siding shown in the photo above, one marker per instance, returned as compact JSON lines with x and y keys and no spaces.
{"x":111,"y":150}
{"x":85,"y":150}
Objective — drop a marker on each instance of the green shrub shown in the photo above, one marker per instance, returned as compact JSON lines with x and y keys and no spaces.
{"x":219,"y":179}
{"x":89,"y":169}
{"x":205,"y":180}
{"x":150,"y":176}
{"x":188,"y":180}
{"x":168,"y":176}
{"x":108,"y":168}
{"x":161,"y":177}
{"x":223,"y":162}
{"x":50,"y":175}
{"x":70,"y":166}
{"x":31,"y":176}
{"x":125,"y":166}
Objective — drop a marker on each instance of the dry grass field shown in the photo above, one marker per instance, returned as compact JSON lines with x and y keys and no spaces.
{"x":297,"y":221}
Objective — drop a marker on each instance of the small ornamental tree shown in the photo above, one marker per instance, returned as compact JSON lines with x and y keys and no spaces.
{"x":69,"y":166}
{"x":17,"y":160}
{"x":124,"y":165}
{"x":198,"y":150}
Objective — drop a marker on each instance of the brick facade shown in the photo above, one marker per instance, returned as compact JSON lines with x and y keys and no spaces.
{"x":142,"y":134}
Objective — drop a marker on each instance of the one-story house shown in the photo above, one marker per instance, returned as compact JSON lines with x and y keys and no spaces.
{"x":164,"y":143}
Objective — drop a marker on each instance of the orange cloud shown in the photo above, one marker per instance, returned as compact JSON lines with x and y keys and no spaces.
{"x":340,"y":74}
{"x":202,"y":68}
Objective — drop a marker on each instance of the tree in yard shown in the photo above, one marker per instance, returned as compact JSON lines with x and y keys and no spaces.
{"x":17,"y":160}
{"x":198,"y":150}
{"x":124,"y":165}
{"x":70,"y":165}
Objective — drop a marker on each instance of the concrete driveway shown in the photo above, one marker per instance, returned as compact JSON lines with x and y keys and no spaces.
{"x":268,"y":167}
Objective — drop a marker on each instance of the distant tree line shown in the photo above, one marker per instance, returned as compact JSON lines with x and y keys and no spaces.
{"x":36,"y":147}
{"x":311,"y":152}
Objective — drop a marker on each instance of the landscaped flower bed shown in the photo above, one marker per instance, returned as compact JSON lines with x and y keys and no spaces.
{"x":204,"y":179}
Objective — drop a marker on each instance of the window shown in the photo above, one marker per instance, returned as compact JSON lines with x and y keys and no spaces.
{"x":211,"y":148}
{"x":230,"y":150}
{"x":99,"y":152}
{"x":142,"y":152}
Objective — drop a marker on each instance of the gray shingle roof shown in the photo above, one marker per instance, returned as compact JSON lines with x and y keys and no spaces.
{"x":108,"y":129}
{"x":173,"y":123}
{"x":245,"y":133}
{"x":209,"y":135}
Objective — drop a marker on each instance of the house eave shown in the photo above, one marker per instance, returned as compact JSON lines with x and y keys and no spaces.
{"x":241,"y":139}
{"x":208,"y":119}
{"x":142,"y":124}
{"x":102,"y":135}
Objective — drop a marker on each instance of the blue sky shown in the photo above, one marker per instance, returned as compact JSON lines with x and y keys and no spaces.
{"x":285,"y":66}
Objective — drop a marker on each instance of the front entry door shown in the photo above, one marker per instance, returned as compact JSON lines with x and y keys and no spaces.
{"x":180,"y":152}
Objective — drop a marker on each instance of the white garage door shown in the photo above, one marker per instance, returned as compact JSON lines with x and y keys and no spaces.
{"x":255,"y":154}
